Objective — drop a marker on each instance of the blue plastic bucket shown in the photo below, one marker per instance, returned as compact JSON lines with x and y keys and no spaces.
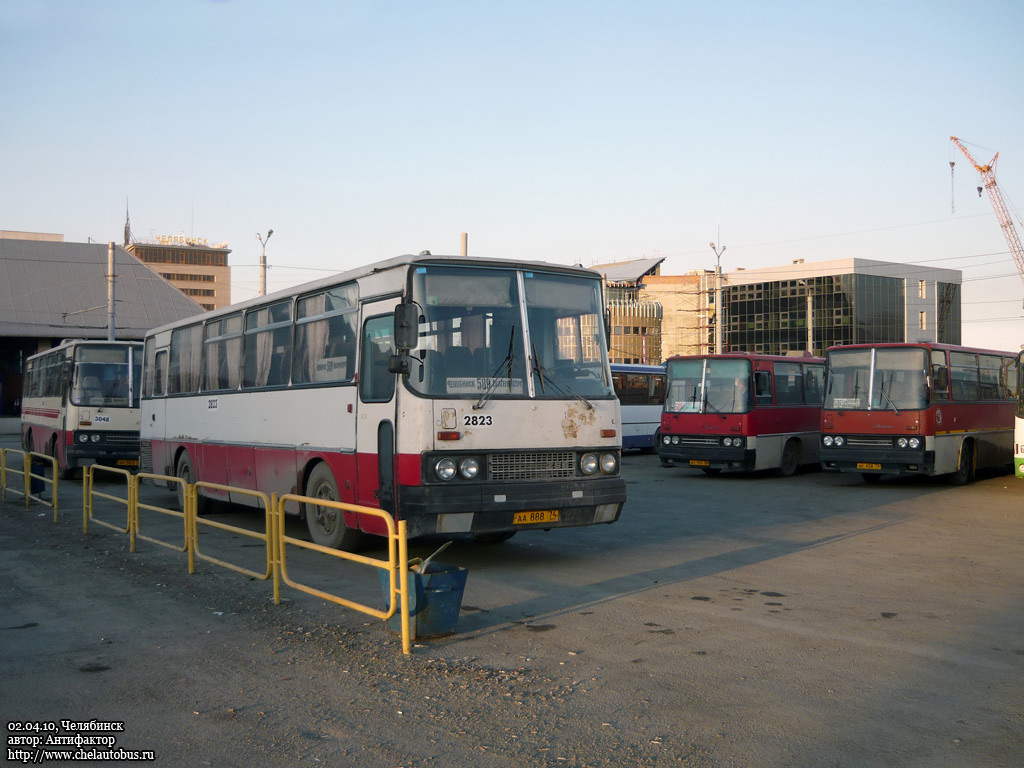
{"x":435,"y":599}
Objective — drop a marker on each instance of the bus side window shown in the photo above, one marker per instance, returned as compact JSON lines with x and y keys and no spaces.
{"x":763,"y":387}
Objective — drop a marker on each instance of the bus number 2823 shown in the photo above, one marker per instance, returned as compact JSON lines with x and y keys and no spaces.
{"x":477,"y":421}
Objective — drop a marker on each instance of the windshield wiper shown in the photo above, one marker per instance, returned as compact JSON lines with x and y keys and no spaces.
{"x":506,"y":365}
{"x":885,"y":394}
{"x":544,"y":376}
{"x":708,"y":404}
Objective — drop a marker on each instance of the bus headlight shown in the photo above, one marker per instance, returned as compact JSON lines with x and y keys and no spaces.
{"x":609,"y":463}
{"x":901,"y":442}
{"x":915,"y":442}
{"x":838,"y":441}
{"x":96,"y":437}
{"x":666,"y":439}
{"x":675,"y":439}
{"x":588,"y":463}
{"x":469,"y":468}
{"x":445,"y":469}
{"x":83,"y":438}
{"x":827,"y":441}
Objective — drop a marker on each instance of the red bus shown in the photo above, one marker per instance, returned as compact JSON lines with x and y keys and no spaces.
{"x":922,"y":408}
{"x":742,"y":411}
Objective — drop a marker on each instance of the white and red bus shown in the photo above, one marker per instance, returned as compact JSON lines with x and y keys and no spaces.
{"x":742,"y":411}
{"x":463,"y":395}
{"x":920,"y":408}
{"x":80,"y":404}
{"x":1018,"y":421}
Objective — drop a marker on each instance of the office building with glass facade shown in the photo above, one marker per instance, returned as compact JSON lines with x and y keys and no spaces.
{"x":801,"y":306}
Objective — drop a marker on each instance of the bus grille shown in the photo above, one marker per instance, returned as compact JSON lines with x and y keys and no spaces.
{"x":697,"y":440}
{"x":866,"y":441}
{"x":549,"y":465}
{"x":130,"y":439}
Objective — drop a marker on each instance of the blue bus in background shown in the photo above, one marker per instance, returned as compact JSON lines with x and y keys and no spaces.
{"x":641,"y":393}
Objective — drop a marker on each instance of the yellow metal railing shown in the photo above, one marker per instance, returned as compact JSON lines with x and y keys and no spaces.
{"x":273,"y":536}
{"x":397,"y":563}
{"x":89,"y":493}
{"x":27,"y":475}
{"x":267,"y":536}
{"x":180,"y":514}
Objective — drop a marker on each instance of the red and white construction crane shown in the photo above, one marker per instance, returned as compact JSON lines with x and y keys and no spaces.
{"x":988,"y":180}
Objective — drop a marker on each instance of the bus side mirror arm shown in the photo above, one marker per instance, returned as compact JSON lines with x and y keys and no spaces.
{"x":400,"y":364}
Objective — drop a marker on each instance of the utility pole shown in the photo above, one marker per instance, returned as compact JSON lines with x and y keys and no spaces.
{"x":465,"y":244}
{"x":111,"y":325}
{"x":263,"y":260}
{"x":718,"y":297}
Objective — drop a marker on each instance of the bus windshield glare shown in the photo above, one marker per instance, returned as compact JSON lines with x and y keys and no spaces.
{"x":878,"y":378}
{"x":708,"y":386}
{"x":107,"y":376}
{"x":497,"y":333}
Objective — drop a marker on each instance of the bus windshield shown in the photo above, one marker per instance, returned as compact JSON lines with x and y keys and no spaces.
{"x":474,"y":340}
{"x":107,"y":376}
{"x":877,"y":378}
{"x":708,"y":386}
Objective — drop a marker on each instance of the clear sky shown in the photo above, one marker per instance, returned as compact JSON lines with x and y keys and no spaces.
{"x":573,"y":132}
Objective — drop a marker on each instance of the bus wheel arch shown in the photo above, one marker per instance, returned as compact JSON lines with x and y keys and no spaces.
{"x":184,"y":470}
{"x":64,"y":472}
{"x":326,"y":524}
{"x":965,"y":464}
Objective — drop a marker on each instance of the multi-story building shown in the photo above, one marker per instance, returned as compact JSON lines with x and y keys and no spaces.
{"x":801,"y":306}
{"x":793,"y":307}
{"x":198,"y":270}
{"x":636,"y":332}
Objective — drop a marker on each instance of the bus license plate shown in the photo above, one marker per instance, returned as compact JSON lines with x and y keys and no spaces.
{"x":864,"y":465}
{"x":539,"y":516}
{"x":127,"y":462}
{"x":699,"y":463}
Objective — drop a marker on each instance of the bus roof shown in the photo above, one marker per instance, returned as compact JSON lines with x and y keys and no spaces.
{"x":749,"y":356}
{"x":923,"y":345}
{"x":397,"y":262}
{"x":69,"y":343}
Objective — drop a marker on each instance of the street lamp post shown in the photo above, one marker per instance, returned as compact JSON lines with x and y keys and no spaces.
{"x":263,"y":260}
{"x":718,"y":297}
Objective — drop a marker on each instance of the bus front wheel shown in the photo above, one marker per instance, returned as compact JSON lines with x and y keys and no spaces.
{"x":187,"y":474}
{"x":965,"y":468}
{"x":790,"y":459}
{"x":327,"y":524}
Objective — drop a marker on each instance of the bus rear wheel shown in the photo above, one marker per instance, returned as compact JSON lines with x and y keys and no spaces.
{"x":327,"y":524}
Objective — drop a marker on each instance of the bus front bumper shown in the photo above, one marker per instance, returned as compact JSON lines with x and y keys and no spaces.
{"x":504,"y":507}
{"x":709,"y":457}
{"x":888,"y":462}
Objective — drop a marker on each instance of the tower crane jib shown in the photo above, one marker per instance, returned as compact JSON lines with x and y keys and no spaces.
{"x":988,"y":180}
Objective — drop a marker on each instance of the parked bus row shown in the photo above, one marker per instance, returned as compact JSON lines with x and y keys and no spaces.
{"x":902,"y":409}
{"x":476,"y":396}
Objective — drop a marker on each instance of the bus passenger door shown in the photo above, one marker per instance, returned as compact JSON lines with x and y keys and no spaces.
{"x":375,"y":428}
